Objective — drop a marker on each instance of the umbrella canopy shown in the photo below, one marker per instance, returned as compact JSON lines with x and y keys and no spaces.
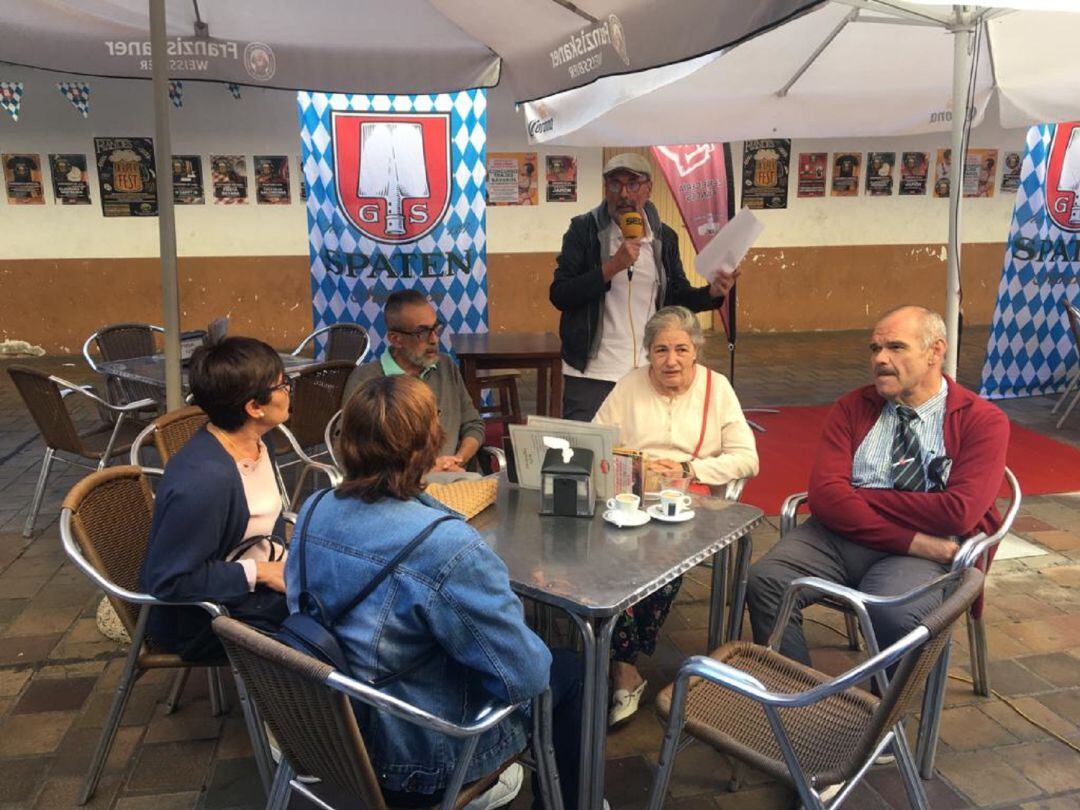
{"x":539,"y":47}
{"x":845,"y":69}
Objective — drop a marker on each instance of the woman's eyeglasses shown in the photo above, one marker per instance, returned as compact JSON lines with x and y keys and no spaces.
{"x":286,"y":385}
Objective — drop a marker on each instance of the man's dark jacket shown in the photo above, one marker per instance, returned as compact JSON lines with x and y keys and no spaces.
{"x":578,"y":288}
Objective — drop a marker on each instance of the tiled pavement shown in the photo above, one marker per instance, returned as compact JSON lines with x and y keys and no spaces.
{"x":57,"y":672}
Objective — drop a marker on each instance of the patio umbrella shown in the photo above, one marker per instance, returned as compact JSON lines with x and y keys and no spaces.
{"x":848,"y":68}
{"x":361,"y":46}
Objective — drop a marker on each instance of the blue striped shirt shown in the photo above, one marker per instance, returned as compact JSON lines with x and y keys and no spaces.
{"x":872,"y":467}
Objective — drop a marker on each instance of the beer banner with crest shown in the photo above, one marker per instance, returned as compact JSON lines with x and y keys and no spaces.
{"x":396,"y":188}
{"x":1031,"y":349}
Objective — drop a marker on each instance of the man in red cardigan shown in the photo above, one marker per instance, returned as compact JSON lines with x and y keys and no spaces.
{"x":906,"y":468}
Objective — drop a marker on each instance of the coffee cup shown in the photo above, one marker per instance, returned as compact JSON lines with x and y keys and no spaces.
{"x":672,"y":502}
{"x":626,"y":502}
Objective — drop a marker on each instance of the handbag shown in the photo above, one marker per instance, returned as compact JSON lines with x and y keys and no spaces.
{"x":309,"y":630}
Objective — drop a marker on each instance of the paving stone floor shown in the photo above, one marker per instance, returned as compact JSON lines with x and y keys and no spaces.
{"x":57,"y":672}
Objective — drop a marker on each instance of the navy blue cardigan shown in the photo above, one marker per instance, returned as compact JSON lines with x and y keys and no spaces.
{"x":200,"y":513}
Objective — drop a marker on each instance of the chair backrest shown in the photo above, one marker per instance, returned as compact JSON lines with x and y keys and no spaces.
{"x":906,"y":685}
{"x":122,"y":341}
{"x":313,"y":723}
{"x":316,"y":397}
{"x":46,"y":405}
{"x":346,"y":341}
{"x":332,"y":435}
{"x":111,"y":513}
{"x":173,"y":429}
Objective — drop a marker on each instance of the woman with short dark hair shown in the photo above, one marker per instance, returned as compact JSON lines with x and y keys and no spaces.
{"x":218,"y":507}
{"x":443,"y":631}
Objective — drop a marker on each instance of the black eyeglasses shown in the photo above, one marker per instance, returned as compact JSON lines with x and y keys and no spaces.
{"x":287,"y":386}
{"x":423,"y":333}
{"x":633,"y":186}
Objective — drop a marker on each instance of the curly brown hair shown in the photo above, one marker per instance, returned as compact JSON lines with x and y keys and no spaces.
{"x":390,"y":437}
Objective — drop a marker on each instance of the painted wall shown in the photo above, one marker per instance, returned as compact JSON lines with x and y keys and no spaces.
{"x":64,"y":270}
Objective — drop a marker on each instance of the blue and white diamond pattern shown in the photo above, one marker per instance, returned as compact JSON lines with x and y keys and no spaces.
{"x":1031,"y":348}
{"x":461,"y":299}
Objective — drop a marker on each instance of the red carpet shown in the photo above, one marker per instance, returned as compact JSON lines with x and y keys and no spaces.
{"x":787,"y":448}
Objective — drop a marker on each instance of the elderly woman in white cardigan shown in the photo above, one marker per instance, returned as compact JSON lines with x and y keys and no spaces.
{"x":688,"y":421}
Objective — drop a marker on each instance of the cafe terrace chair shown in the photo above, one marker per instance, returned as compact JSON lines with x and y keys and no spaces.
{"x":976,"y":551}
{"x":316,"y":397}
{"x":1073,"y":315}
{"x":344,"y":341}
{"x":799,"y":725}
{"x":46,"y":398}
{"x":105,"y":529}
{"x":308,"y":706}
{"x":123,"y":341}
{"x":169,"y":432}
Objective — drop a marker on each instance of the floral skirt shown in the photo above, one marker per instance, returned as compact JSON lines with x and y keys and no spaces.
{"x":637,"y":628}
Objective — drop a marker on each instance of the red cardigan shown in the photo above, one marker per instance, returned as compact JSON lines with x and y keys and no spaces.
{"x":976,"y":436}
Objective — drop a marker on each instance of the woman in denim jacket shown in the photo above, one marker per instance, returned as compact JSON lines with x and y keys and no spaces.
{"x":444,"y":631}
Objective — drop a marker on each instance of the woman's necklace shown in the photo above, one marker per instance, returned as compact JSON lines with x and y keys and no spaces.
{"x":237,"y":450}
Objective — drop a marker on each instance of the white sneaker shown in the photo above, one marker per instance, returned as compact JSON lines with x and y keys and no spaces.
{"x":502,"y":792}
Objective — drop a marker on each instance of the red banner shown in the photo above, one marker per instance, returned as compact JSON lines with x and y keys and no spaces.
{"x":699,"y":176}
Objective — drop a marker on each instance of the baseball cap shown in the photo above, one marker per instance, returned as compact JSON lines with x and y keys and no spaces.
{"x":628,"y":162}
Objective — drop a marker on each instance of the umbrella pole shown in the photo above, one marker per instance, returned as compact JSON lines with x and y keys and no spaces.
{"x":963,"y":41}
{"x":170,"y":298}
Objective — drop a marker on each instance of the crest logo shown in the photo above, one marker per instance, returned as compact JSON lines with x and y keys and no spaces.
{"x":392,"y":172}
{"x":618,"y":39}
{"x":687,"y":157}
{"x":259,"y":61}
{"x":1063,"y":177}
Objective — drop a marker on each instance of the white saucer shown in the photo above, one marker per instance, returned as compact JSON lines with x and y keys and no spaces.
{"x":626,"y":519}
{"x":683,"y":516}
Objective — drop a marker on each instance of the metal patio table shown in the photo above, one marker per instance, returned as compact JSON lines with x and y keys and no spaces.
{"x":151,"y":368}
{"x":594,"y":571}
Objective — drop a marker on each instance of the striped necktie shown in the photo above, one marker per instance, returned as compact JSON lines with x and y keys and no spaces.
{"x":908,"y":472}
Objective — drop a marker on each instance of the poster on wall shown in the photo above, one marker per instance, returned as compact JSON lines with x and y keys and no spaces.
{"x":22,"y":177}
{"x":845,"y":173}
{"x":396,"y":200}
{"x":561,"y":178}
{"x":914,"y":167}
{"x":229,"y":174}
{"x":879,"y":173}
{"x":70,"y":183}
{"x":187,"y":180}
{"x":1010,"y":172}
{"x":765,"y":173}
{"x":272,"y":180}
{"x":980,"y":168}
{"x":813,"y":167}
{"x":942,"y":167}
{"x":303,"y":179}
{"x":1030,"y":350}
{"x":126,"y":176}
{"x":511,"y":178}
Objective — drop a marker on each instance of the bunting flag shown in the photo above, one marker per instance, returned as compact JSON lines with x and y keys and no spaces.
{"x":11,"y":94}
{"x":234,"y":88}
{"x":78,"y":93}
{"x":176,"y":94}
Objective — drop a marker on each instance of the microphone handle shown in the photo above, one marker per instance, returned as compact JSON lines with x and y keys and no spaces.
{"x":630,"y":273}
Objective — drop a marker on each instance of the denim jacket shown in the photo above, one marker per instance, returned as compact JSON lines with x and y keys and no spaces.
{"x":448,"y":604}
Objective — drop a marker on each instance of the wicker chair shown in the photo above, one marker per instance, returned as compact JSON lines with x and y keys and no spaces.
{"x":45,"y":396}
{"x":344,"y":341}
{"x":799,"y":725}
{"x":975,"y":551}
{"x":105,"y":529}
{"x":1072,"y":313}
{"x":170,"y":432}
{"x":306,"y":705}
{"x":123,"y":341}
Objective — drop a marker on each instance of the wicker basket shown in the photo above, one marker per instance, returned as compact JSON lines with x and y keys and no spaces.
{"x":469,"y":498}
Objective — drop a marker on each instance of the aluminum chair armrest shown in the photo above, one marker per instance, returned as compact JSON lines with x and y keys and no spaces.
{"x":789,"y":510}
{"x":86,"y":352}
{"x":331,"y":472}
{"x":88,"y":391}
{"x":489,"y":715}
{"x":733,"y":489}
{"x":289,"y":517}
{"x":310,"y":337}
{"x":972,"y":549}
{"x":139,"y":441}
{"x":498,"y":453}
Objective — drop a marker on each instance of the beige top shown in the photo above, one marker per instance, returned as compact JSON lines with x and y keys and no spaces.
{"x":264,"y":505}
{"x":669,"y":427}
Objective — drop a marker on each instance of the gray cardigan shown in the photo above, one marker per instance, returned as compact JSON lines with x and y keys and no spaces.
{"x":457,"y":414}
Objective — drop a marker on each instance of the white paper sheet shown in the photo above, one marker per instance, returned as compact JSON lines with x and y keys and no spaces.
{"x":729,"y":246}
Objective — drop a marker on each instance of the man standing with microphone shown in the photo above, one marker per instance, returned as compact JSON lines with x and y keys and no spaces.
{"x":619,"y":264}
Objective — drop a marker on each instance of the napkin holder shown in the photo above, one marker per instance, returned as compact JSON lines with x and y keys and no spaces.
{"x":567,"y":487}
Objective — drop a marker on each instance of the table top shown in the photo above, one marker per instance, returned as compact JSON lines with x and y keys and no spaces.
{"x":151,"y":368}
{"x":589,"y":567}
{"x":515,"y":344}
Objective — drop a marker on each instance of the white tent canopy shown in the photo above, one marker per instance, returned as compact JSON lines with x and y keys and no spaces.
{"x":848,"y":68}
